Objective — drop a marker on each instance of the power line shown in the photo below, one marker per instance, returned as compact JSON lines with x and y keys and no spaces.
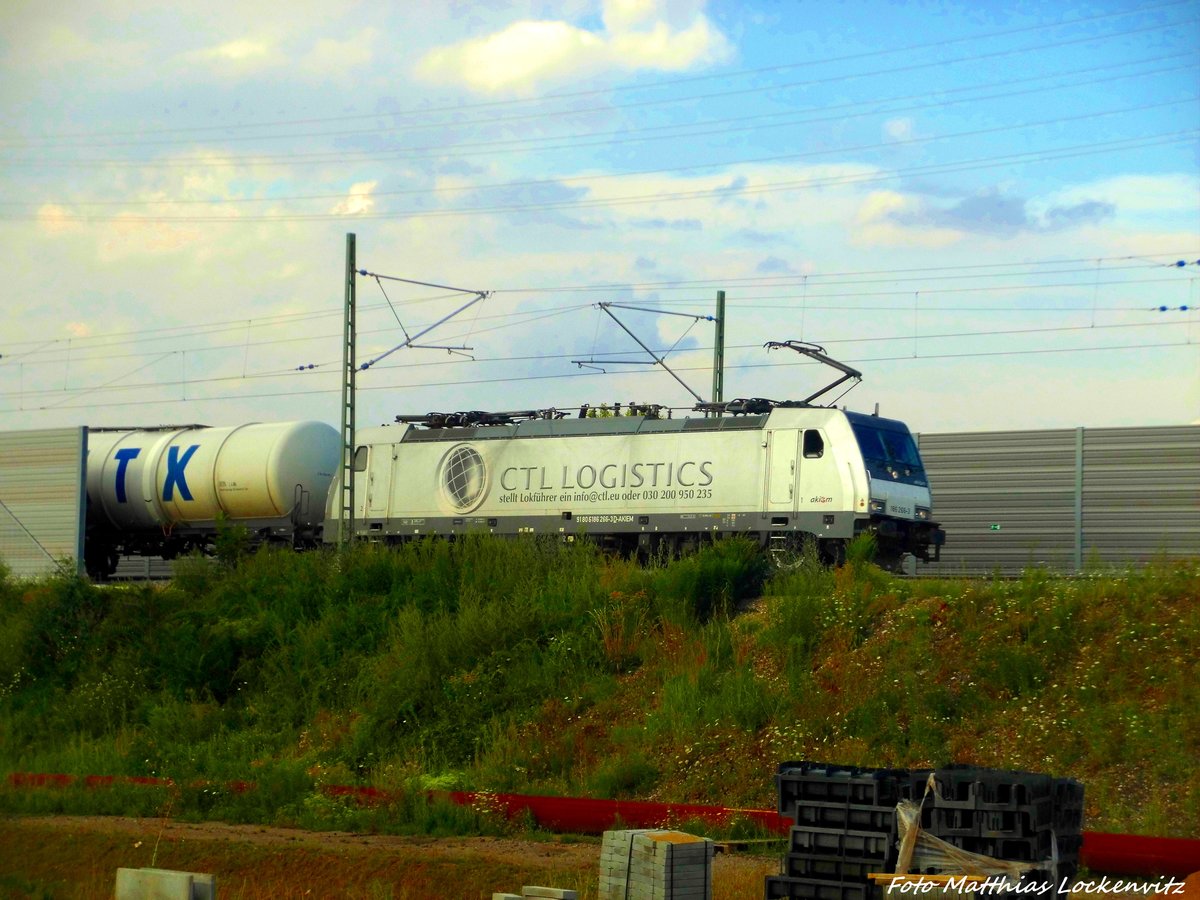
{"x":1069,"y":152}
{"x":555,"y":356}
{"x":459,"y":108}
{"x":837,"y":112}
{"x":78,"y":357}
{"x":792,"y":279}
{"x":814,"y":286}
{"x":509,"y":185}
{"x":525,"y":378}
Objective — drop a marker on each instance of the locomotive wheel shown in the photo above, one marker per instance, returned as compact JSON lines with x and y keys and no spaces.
{"x":794,"y":551}
{"x":833,"y":553}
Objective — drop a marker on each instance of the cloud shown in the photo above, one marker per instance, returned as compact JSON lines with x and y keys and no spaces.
{"x":357,"y":201}
{"x":55,"y":219}
{"x":518,"y":57}
{"x":238,"y":57}
{"x":636,"y":35}
{"x":990,"y":212}
{"x":1088,"y":212}
{"x":46,"y":47}
{"x":621,"y":15}
{"x":1157,"y":194}
{"x":984,"y":213}
{"x":888,"y":217}
{"x":901,"y":129}
{"x":660,"y":224}
{"x":773,"y":265}
{"x":330,"y":59}
{"x":758,"y":236}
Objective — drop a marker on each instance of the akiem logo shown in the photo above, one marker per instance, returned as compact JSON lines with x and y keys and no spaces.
{"x":463,"y":478}
{"x":175,"y":471}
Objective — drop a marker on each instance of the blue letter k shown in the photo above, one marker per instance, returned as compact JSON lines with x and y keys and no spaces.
{"x":175,"y":467}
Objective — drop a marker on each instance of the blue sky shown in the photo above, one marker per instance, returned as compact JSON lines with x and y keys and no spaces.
{"x":979,"y":205}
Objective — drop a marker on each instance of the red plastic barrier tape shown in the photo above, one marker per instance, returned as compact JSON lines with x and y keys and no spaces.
{"x":1133,"y":854}
{"x":1118,"y":854}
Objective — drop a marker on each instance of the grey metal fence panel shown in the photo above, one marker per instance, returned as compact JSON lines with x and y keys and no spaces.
{"x":42,"y":496}
{"x":1141,"y":493}
{"x":1005,"y":499}
{"x":1063,"y":499}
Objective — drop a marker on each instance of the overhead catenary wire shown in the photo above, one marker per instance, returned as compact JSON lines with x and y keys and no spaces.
{"x":619,"y":88}
{"x":826,"y":113}
{"x":655,"y":84}
{"x":560,"y":375}
{"x":890,"y":145}
{"x":540,"y":313}
{"x":284,"y":373}
{"x":1168,"y":259}
{"x":1146,"y":264}
{"x":718,"y":191}
{"x":891,"y":71}
{"x":104,"y":342}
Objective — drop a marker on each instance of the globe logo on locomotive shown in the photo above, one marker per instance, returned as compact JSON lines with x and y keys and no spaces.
{"x":464,"y":477}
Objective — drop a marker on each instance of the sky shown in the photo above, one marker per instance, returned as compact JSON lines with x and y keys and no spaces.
{"x":990,"y":209}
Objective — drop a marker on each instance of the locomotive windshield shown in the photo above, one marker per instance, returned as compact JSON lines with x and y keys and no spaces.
{"x":888,"y":450}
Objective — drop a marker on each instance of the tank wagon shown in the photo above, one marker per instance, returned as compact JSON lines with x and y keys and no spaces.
{"x":781,"y":472}
{"x":162,"y":492}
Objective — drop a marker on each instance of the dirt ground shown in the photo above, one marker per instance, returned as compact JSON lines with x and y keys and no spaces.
{"x":76,"y":857}
{"x":257,"y":861}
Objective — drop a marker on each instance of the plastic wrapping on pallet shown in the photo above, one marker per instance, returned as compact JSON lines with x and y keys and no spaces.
{"x":930,"y":853}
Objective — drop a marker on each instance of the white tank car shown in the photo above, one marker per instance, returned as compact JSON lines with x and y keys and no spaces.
{"x":779,"y":473}
{"x":160,"y":492}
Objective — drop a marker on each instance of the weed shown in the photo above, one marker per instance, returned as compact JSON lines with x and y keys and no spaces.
{"x":539,"y":667}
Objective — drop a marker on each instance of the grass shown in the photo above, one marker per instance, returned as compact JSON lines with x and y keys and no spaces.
{"x":539,"y":667}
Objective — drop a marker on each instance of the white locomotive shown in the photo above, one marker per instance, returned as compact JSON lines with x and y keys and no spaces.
{"x":781,"y":472}
{"x":161,"y":492}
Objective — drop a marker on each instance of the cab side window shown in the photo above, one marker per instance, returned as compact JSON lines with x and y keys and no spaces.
{"x":814,"y":445}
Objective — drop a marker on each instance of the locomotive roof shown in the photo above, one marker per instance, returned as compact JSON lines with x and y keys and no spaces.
{"x":565,"y":427}
{"x":570,"y":427}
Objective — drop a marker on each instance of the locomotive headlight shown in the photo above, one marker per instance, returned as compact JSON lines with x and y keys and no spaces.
{"x":878,"y":506}
{"x":923,"y":513}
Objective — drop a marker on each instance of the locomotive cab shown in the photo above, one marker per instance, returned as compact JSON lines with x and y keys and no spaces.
{"x":900,"y":503}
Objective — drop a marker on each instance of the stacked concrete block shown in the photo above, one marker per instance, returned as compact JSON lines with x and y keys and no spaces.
{"x":164,"y":884}
{"x":537,"y":892}
{"x":645,"y":864}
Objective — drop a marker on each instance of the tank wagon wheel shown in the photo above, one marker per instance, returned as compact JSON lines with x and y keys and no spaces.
{"x":101,"y":561}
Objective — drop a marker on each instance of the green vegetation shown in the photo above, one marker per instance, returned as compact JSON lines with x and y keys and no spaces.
{"x":547,"y":668}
